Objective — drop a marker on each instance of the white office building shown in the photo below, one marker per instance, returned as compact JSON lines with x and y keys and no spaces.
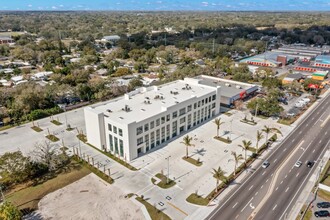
{"x":146,"y":118}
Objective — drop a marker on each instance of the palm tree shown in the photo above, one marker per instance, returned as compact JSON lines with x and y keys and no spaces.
{"x":268,"y":130}
{"x":218,"y":123}
{"x":245,"y":146}
{"x":259,"y":137}
{"x":237,"y":158}
{"x":187,"y":142}
{"x":218,"y":174}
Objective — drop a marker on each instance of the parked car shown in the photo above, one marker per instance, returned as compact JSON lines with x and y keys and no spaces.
{"x":321,"y":213}
{"x":310,"y":163}
{"x":323,"y":205}
{"x":265,"y":164}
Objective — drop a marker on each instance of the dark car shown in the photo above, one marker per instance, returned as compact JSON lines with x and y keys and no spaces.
{"x":321,"y":213}
{"x":310,"y":163}
{"x":323,"y":205}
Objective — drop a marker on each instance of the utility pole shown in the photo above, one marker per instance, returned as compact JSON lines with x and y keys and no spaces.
{"x":168,"y":168}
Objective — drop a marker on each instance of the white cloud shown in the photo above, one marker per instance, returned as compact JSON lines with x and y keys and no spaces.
{"x":61,"y":6}
{"x":54,"y":7}
{"x":159,"y":2}
{"x":29,"y":5}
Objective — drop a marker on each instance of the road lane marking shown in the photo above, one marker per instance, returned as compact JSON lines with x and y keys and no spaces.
{"x":267,"y":180}
{"x":293,"y":140}
{"x":275,"y":160}
{"x":274,"y":179}
{"x":320,"y":141}
{"x":281,"y":182}
{"x":303,"y":182}
{"x":274,"y":207}
{"x":325,"y":121}
{"x":313,"y":118}
{"x":287,"y":189}
{"x":235,"y":204}
{"x":236,"y":216}
{"x":247,"y":204}
{"x":284,"y":149}
{"x":300,"y":132}
{"x":256,"y":193}
{"x":297,"y":175}
{"x":307,"y":125}
{"x":263,"y":173}
{"x":261,"y":186}
{"x":286,"y":176}
{"x":313,"y":150}
{"x":250,"y":187}
{"x":272,"y":174}
{"x":276,"y":189}
{"x":290,"y":170}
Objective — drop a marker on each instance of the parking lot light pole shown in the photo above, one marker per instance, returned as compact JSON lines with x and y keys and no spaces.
{"x":168,"y":168}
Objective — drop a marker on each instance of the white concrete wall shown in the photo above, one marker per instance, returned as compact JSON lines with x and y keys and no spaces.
{"x":94,"y":128}
{"x":324,"y":187}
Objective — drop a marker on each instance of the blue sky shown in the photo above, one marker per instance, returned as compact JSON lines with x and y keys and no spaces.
{"x":168,"y":5}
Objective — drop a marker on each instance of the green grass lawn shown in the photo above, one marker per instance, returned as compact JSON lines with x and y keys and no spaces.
{"x":197,"y":199}
{"x":286,"y":121}
{"x":154,"y":213}
{"x":226,"y":140}
{"x":163,"y":183}
{"x":36,"y":128}
{"x":55,"y":122}
{"x":53,"y":138}
{"x":82,"y":137}
{"x":193,"y":161}
{"x":28,"y":197}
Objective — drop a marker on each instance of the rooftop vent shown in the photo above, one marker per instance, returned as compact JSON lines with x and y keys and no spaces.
{"x":238,"y":87}
{"x":126,"y":109}
{"x":142,"y":109}
{"x":121,"y":118}
{"x":109,"y":110}
{"x":147,"y":102}
{"x":174,"y":92}
{"x":227,"y":84}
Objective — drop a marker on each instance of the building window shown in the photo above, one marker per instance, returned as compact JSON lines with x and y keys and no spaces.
{"x":213,"y":97}
{"x":110,"y":127}
{"x":195,"y":105}
{"x":163,"y":119}
{"x":116,"y":145}
{"x":213,"y":105}
{"x":152,"y":139}
{"x":158,"y":137}
{"x":174,"y":128}
{"x":139,"y":130}
{"x":146,"y":140}
{"x":175,"y":114}
{"x":182,"y":111}
{"x":163,"y":134}
{"x":210,"y":99}
{"x":111,"y":142}
{"x":182,"y":120}
{"x":157,"y":122}
{"x":206,"y":101}
{"x":115,"y":129}
{"x":189,"y":108}
{"x":202,"y":102}
{"x":152,"y":125}
{"x":120,"y":131}
{"x":168,"y":132}
{"x":168,"y":117}
{"x":121,"y":148}
{"x":139,"y":141}
{"x":146,"y":127}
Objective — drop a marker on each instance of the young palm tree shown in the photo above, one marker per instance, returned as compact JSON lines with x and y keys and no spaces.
{"x":259,"y":137}
{"x":187,"y":142}
{"x":218,"y":174}
{"x":237,"y":158}
{"x":218,"y":123}
{"x":245,"y":146}
{"x":268,"y":130}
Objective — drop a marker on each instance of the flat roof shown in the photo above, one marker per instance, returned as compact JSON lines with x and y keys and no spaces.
{"x":172,"y":93}
{"x":229,"y":88}
{"x":325,"y":59}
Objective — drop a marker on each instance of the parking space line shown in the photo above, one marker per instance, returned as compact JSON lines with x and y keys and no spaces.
{"x":177,"y":208}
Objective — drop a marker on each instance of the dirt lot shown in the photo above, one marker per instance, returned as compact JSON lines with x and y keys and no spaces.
{"x":87,"y":198}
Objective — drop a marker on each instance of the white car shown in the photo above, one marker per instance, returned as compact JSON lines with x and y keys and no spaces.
{"x":298,"y":163}
{"x":265,"y":164}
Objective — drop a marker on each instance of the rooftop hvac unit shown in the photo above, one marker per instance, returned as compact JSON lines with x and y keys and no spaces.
{"x":227,"y":84}
{"x":109,"y":110}
{"x":238,"y":87}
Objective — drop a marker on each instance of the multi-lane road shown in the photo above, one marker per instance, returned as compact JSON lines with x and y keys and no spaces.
{"x":270,"y":193}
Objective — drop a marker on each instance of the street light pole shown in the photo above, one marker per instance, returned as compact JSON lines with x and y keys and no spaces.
{"x":168,"y":168}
